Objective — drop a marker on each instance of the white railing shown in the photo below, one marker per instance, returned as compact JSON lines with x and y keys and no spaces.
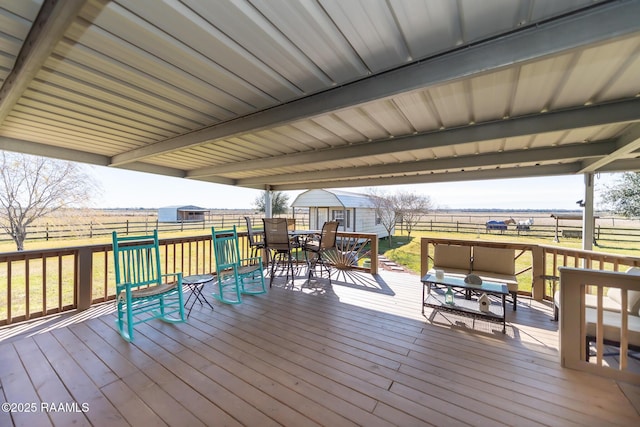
{"x":582,"y":329}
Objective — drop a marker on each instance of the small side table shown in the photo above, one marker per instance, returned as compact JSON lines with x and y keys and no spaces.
{"x":196,"y":284}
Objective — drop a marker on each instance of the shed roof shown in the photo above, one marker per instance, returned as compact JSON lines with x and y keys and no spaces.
{"x":331,"y":198}
{"x":190,"y":208}
{"x":293,"y":95}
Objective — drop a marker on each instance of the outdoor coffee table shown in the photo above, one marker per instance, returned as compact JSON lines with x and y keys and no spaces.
{"x":464,"y":306}
{"x":195,"y":284}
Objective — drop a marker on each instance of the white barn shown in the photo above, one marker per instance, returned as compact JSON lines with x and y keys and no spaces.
{"x":355,"y":212}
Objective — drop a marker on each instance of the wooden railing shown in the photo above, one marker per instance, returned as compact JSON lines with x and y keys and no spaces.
{"x":574,"y":321}
{"x":41,"y":282}
{"x":537,"y":266}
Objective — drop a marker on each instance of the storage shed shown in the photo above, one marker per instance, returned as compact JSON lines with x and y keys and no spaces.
{"x":355,"y":212}
{"x":181,"y":214}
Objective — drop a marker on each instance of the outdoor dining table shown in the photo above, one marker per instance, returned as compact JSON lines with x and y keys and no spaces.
{"x":301,"y":236}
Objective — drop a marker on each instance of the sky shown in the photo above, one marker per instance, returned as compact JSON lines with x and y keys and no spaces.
{"x":127,"y":189}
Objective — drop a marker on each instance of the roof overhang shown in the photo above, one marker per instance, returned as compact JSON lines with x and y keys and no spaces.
{"x":261,"y":96}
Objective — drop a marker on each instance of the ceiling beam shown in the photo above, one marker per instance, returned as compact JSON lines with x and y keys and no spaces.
{"x":515,"y":172}
{"x":622,"y":165}
{"x":593,"y":115}
{"x":45,"y":150}
{"x":53,"y":19}
{"x":627,"y":143}
{"x":561,"y":153}
{"x":61,"y":153}
{"x":598,"y":24}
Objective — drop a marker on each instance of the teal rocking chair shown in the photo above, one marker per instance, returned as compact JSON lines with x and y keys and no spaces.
{"x":235,"y":275}
{"x":142,"y":294}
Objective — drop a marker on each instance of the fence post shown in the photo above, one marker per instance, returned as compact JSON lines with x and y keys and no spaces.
{"x":91,"y":229}
{"x":47,"y":232}
{"x":127,"y":232}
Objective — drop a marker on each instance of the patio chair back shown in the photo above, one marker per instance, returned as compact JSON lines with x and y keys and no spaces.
{"x":328,"y":235}
{"x":276,"y":233}
{"x":278,"y":243}
{"x":143,"y":293}
{"x":321,"y":249}
{"x":254,"y":237}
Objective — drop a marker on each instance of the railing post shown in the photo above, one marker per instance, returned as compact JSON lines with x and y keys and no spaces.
{"x":374,"y":255}
{"x":537,"y":273}
{"x":84,"y":285}
{"x":424,"y":256}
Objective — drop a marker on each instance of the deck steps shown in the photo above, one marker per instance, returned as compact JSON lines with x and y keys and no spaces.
{"x":387,"y":264}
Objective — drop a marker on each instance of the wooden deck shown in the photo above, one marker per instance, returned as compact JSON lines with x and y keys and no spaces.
{"x":358,"y":352}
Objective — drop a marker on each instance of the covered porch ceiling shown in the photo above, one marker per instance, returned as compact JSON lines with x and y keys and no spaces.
{"x":291,"y":95}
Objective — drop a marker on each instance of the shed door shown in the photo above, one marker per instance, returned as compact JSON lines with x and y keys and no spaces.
{"x":323,"y":216}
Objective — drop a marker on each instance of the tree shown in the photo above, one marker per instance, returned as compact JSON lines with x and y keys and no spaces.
{"x":279,"y":202}
{"x":405,"y":206}
{"x":386,"y":209}
{"x":411,"y":208}
{"x":623,"y":197}
{"x":33,"y":187}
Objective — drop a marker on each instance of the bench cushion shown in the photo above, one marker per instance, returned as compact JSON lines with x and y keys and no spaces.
{"x":611,"y":326}
{"x":508,"y":279}
{"x":633,"y":297}
{"x":499,"y":261}
{"x":452,"y":257}
{"x":591,"y":300}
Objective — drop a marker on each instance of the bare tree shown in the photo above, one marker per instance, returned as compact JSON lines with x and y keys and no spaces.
{"x":33,"y":187}
{"x":405,"y":206}
{"x":412,"y":207}
{"x":386,"y":208}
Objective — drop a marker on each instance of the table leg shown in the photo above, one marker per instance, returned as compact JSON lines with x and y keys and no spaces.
{"x":504,"y":314}
{"x":196,"y":293}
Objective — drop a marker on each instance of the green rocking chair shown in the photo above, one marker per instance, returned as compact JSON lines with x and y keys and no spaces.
{"x":235,"y":275}
{"x":142,"y":294}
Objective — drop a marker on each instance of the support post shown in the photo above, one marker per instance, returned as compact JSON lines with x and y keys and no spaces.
{"x":537,"y":273}
{"x":587,"y":214}
{"x":267,"y":202}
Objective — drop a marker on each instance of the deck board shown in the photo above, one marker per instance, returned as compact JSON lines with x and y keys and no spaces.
{"x":357,"y":352}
